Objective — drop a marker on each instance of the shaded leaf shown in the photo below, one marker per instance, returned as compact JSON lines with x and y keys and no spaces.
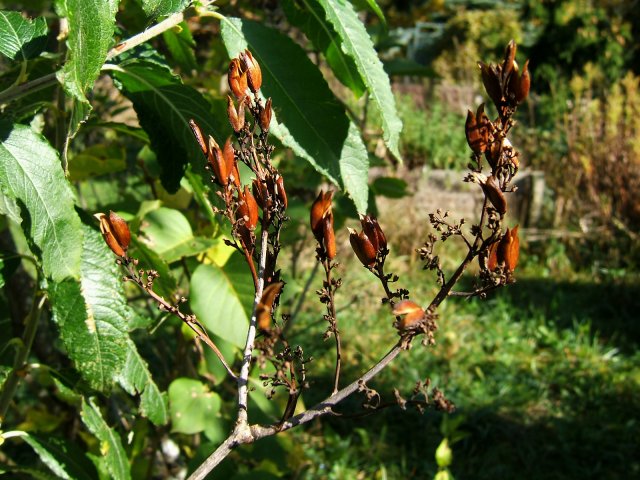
{"x":215,"y":299}
{"x":110,"y":443}
{"x":310,"y":120}
{"x":181,"y":46}
{"x":406,"y":66}
{"x":98,"y":159}
{"x":63,"y":458}
{"x":135,"y":378}
{"x":165,"y":283}
{"x":91,"y":26}
{"x":193,"y":407}
{"x":92,"y":314}
{"x":30,"y":174}
{"x":390,"y":187}
{"x":157,"y":94}
{"x":357,"y":44}
{"x":21,"y":38}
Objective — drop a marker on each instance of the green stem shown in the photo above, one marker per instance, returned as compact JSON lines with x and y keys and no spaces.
{"x":31,"y":325}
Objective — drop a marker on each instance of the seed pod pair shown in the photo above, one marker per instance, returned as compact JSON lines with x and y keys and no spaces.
{"x":247,"y":208}
{"x":236,"y":116}
{"x":493,"y":192}
{"x":265,"y":116}
{"x":506,"y":251}
{"x":221,"y":161}
{"x":268,"y":190}
{"x":115,"y":232}
{"x":264,"y":309}
{"x":237,"y":79}
{"x":321,"y":220}
{"x":370,"y":242}
{"x":478,"y":130}
{"x":252,"y":69}
{"x":503,"y":83}
{"x":411,"y":315}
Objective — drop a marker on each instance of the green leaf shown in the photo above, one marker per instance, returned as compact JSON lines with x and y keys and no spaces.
{"x":92,"y":314}
{"x":216,"y":301}
{"x":310,"y":18}
{"x":135,"y":378}
{"x":1,"y":285}
{"x":193,"y":407}
{"x":357,"y":44}
{"x":91,"y":26}
{"x":310,"y":120}
{"x":390,"y":187}
{"x":63,"y":458}
{"x":110,"y":444}
{"x":168,"y":233}
{"x":21,"y":38}
{"x":181,"y":46}
{"x":375,"y":8}
{"x":30,"y":173}
{"x":98,"y":159}
{"x":157,"y":94}
{"x":160,"y":8}
{"x":406,"y":66}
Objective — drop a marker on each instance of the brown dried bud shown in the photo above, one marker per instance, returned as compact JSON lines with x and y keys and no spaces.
{"x":248,"y":208}
{"x":218,"y":163}
{"x":509,"y":64}
{"x":237,"y":79}
{"x":329,"y":236}
{"x":506,"y":251}
{"x":115,"y":232}
{"x":252,"y":69}
{"x":320,"y":209}
{"x":236,"y":117}
{"x":491,"y":82}
{"x":281,"y":193}
{"x":477,"y":130}
{"x":493,"y":154}
{"x":363,"y":247}
{"x":231,"y":163}
{"x":492,"y":190}
{"x":265,"y":306}
{"x":372,"y":229}
{"x":265,"y":116}
{"x":199,"y":137}
{"x":261,"y":194}
{"x":413,"y":314}
{"x":521,"y":90}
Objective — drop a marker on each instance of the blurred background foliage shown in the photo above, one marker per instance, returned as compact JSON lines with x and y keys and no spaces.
{"x":545,"y":374}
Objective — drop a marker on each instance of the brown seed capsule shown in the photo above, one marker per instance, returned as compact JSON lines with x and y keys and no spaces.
{"x":372,"y":229}
{"x":319,"y":210}
{"x":115,"y":232}
{"x":237,"y":79}
{"x":412,"y":314}
{"x":236,"y":117}
{"x":281,"y":193}
{"x":491,"y":82}
{"x":492,"y":262}
{"x":252,"y":69}
{"x":363,"y":247}
{"x":329,"y":237}
{"x":509,"y":65}
{"x":521,"y":91}
{"x":492,"y":190}
{"x":199,"y":137}
{"x":509,"y":249}
{"x":248,"y":208}
{"x":231,"y":163}
{"x":477,"y":130}
{"x":493,"y":154}
{"x":265,"y":116}
{"x":218,"y":163}
{"x":265,"y":306}
{"x":261,"y":194}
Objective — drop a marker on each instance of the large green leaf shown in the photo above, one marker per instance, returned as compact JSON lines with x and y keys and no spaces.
{"x":168,"y":233}
{"x":310,"y":18}
{"x":193,"y":407}
{"x":64,"y":459}
{"x":216,"y":300}
{"x":92,"y":314}
{"x":91,"y":26}
{"x":21,"y":38}
{"x":158,"y":8}
{"x":357,"y":44}
{"x":135,"y":378}
{"x":30,"y":173}
{"x":310,"y":120}
{"x":164,"y":106}
{"x":181,"y":45}
{"x":110,"y":443}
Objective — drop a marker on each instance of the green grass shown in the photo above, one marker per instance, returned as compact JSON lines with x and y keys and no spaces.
{"x":545,"y":375}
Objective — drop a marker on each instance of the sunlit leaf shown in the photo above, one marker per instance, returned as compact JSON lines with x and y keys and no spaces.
{"x":21,"y":38}
{"x":63,"y":458}
{"x":159,"y":8}
{"x":193,"y":407}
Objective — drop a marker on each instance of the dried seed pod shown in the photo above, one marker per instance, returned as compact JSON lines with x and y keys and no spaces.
{"x":372,"y":229}
{"x":492,"y":190}
{"x":320,"y":209}
{"x":477,"y":130}
{"x":265,"y":306}
{"x":265,"y":116}
{"x":281,"y":193}
{"x":231,"y":163}
{"x":521,"y":90}
{"x":197,"y":132}
{"x":493,"y":154}
{"x":491,"y":82}
{"x":236,"y":117}
{"x":329,"y":236}
{"x":363,"y":247}
{"x":248,"y":208}
{"x":218,"y":163}
{"x":412,"y":314}
{"x":115,"y":232}
{"x":252,"y":69}
{"x":509,"y":249}
{"x":492,"y":262}
{"x":509,"y":64}
{"x":261,"y":194}
{"x":237,"y":79}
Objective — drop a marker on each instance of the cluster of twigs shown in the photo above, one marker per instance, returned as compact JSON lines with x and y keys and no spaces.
{"x":257,"y":215}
